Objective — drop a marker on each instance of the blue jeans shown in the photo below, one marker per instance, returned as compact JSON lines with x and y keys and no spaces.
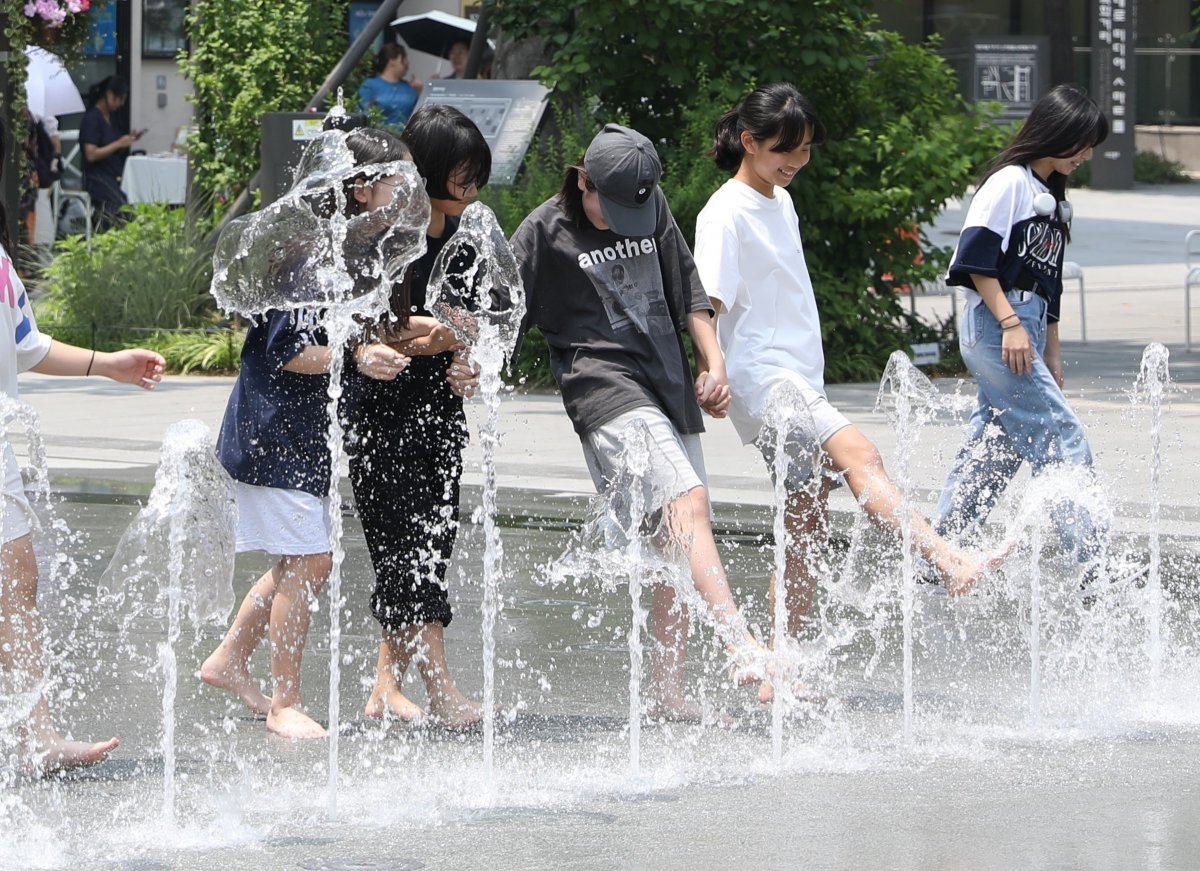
{"x":1017,"y":418}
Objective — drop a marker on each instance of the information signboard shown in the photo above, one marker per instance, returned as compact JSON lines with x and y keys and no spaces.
{"x":1011,"y":72}
{"x":507,"y":112}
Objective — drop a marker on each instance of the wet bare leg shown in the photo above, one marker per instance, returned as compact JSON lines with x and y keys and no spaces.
{"x":689,"y":531}
{"x":21,"y":635}
{"x":300,"y":581}
{"x":806,"y":517}
{"x":447,"y":705}
{"x":669,"y":628}
{"x":387,"y":699}
{"x":227,"y":668}
{"x":854,"y":454}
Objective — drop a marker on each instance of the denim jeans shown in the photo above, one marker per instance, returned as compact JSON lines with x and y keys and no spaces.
{"x":1017,"y":418}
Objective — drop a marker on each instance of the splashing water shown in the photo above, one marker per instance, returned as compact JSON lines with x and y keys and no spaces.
{"x":301,"y":252}
{"x":188,"y":527}
{"x":475,"y":289}
{"x":19,"y":694}
{"x":915,"y":402}
{"x":1153,"y":381}
{"x":627,"y":513}
{"x":786,"y":418}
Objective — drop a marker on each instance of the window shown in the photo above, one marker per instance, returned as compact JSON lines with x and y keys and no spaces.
{"x":163,"y":31}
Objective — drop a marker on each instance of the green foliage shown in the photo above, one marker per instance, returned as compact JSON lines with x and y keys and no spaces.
{"x":541,"y":178}
{"x":542,"y":174}
{"x":639,"y":60}
{"x":248,"y":57}
{"x":901,"y":139}
{"x":216,"y":350}
{"x":18,"y":32}
{"x":153,"y":271}
{"x":1149,"y":167}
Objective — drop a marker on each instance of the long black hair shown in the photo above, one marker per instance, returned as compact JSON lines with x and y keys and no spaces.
{"x":777,"y":111}
{"x":1062,"y":123}
{"x":370,"y":146}
{"x":444,"y":140}
{"x":570,"y":197}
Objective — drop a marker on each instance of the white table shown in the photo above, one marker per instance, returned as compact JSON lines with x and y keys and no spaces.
{"x":155,"y":179}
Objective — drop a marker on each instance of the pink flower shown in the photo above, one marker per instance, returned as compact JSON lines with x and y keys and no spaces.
{"x":51,"y":12}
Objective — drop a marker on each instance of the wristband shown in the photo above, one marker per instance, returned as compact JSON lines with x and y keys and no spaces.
{"x":1009,"y":318}
{"x":90,"y":362}
{"x":1010,"y":327}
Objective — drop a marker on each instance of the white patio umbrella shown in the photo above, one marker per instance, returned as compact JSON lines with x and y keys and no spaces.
{"x":48,"y":86}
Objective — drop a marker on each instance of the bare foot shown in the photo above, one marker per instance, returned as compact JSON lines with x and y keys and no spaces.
{"x":453,"y":711}
{"x":390,"y":702}
{"x":674,"y":711}
{"x":59,"y":754}
{"x":218,"y":671}
{"x":294,"y":724}
{"x":802,"y":693}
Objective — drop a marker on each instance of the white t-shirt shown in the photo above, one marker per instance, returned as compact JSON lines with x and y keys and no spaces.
{"x":750,"y":257}
{"x":21,"y":345}
{"x":1010,"y":236}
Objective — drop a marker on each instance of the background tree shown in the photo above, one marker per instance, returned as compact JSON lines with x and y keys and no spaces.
{"x":248,"y":57}
{"x":901,"y":141}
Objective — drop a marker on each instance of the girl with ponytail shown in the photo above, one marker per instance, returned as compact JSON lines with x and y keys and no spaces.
{"x":751,"y":260}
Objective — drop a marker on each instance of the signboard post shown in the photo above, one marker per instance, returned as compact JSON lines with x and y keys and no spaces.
{"x":285,"y":135}
{"x":506,"y":111}
{"x":1113,"y":66}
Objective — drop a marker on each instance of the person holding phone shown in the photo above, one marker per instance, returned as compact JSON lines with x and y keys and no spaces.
{"x":105,"y":148}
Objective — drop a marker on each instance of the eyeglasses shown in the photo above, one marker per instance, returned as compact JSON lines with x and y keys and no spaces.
{"x":459,"y":190}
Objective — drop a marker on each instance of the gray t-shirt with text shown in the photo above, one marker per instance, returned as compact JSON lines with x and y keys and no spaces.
{"x":612,"y":308}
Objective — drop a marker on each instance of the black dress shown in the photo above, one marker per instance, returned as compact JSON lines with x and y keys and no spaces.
{"x":405,"y":440}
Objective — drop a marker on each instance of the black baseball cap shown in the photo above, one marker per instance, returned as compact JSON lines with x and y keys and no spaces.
{"x":625,"y":169}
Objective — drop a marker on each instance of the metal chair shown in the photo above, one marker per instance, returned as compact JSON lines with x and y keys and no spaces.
{"x":58,"y":193}
{"x":1191,"y":256}
{"x":1072,"y":271}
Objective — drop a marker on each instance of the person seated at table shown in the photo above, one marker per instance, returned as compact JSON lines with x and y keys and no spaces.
{"x":105,"y":147}
{"x":390,"y":88}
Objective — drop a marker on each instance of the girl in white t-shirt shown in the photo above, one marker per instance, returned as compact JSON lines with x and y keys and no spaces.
{"x":751,"y":260}
{"x":22,"y":348}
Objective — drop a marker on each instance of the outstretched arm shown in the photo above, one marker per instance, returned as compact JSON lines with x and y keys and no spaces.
{"x":712,"y":384}
{"x":135,"y":366}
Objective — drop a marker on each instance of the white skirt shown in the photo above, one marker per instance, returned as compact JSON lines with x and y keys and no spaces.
{"x":281,"y":522}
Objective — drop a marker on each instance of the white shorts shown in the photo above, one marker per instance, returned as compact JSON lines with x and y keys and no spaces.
{"x":675,"y":464}
{"x":17,"y":517}
{"x":281,"y":522}
{"x":802,"y":446}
